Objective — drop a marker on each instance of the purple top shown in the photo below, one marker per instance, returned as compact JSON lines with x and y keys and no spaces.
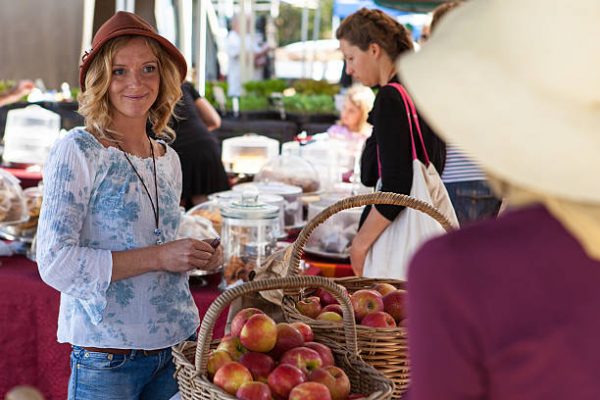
{"x":505,"y":309}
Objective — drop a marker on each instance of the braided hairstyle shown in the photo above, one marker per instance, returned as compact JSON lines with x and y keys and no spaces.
{"x":365,"y":27}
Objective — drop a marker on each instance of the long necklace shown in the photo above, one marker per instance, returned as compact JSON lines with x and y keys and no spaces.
{"x":155,"y":209}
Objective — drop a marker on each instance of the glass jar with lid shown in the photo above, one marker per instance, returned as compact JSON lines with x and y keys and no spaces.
{"x":248,"y":235}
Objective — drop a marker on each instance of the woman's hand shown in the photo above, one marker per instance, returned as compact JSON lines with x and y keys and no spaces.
{"x":183,"y":255}
{"x":217,"y":258}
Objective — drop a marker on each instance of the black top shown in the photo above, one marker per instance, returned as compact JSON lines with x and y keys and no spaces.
{"x":391,"y":134}
{"x":187,"y":122}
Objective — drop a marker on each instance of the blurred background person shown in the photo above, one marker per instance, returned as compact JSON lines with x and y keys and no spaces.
{"x":202,"y":170}
{"x":466,"y":183}
{"x":506,"y":308}
{"x":22,"y":88}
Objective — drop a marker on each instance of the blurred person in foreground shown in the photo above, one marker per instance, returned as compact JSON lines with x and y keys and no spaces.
{"x":106,"y":234}
{"x":370,"y":41}
{"x":507,"y":308}
{"x":22,"y":88}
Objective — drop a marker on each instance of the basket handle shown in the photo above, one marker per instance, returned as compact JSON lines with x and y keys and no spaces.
{"x":358,"y":201}
{"x":225,"y":298}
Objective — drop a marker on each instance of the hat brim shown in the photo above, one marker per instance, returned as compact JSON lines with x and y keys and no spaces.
{"x":178,"y":58}
{"x":514,"y":129}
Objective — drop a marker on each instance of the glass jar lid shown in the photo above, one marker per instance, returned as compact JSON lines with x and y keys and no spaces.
{"x":249,"y":207}
{"x":281,"y":189}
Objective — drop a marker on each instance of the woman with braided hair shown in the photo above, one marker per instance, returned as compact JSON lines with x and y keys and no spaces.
{"x":371,"y":41}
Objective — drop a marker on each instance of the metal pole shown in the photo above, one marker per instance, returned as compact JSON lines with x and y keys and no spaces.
{"x":88,"y":25}
{"x":201,"y":23}
{"x":304,"y":37}
{"x":316,"y":31}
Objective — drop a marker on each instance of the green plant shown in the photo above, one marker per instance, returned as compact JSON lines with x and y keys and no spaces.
{"x":264,"y":88}
{"x":314,"y":87}
{"x":253,"y":103}
{"x":309,"y":104}
{"x":6,"y":85}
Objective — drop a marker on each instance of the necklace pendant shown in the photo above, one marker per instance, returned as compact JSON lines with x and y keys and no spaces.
{"x":158,"y":235}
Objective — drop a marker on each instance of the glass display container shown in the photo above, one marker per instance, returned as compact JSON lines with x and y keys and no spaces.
{"x":291,"y":170}
{"x":272,"y":199}
{"x":249,"y":235}
{"x":248,"y":153}
{"x":292,"y":217}
{"x":333,"y":237}
{"x":29,"y":135}
{"x":209,"y":210}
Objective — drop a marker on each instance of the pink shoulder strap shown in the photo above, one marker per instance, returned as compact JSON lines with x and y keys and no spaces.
{"x":413,"y":119}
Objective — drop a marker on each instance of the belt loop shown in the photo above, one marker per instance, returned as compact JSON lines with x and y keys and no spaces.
{"x":133,"y":354}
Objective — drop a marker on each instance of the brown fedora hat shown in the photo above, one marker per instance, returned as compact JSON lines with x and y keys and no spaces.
{"x":123,"y":24}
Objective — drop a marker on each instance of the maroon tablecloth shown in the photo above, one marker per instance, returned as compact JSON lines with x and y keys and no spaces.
{"x":29,"y":352}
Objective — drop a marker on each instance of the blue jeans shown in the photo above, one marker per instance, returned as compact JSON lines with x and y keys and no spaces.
{"x":100,"y":376}
{"x":473,"y":201}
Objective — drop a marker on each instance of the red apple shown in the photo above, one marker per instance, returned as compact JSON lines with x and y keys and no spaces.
{"x":231,"y":376}
{"x":330,"y":316}
{"x":259,"y":333}
{"x":326,"y":297}
{"x":383,"y":288}
{"x":366,"y":301}
{"x":310,"y":391}
{"x":254,"y":391}
{"x":288,"y":337}
{"x":233,"y":346}
{"x":335,"y":379}
{"x":334,"y":308}
{"x":259,"y":364}
{"x":237,"y":323}
{"x":305,"y":330}
{"x":378,"y":319}
{"x":324,"y":352}
{"x":394,"y":303}
{"x":310,"y":306}
{"x":216,"y":360}
{"x":283,"y":379}
{"x":304,"y":358}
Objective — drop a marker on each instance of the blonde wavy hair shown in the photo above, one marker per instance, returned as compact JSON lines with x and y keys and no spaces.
{"x":361,"y":97}
{"x":94,"y":104}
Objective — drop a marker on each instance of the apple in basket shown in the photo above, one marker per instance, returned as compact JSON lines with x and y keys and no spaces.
{"x":216,"y":360}
{"x":305,"y":330}
{"x":378,"y":319}
{"x":231,"y":376}
{"x":283,"y":379}
{"x":288,"y":337}
{"x":304,"y":358}
{"x":366,"y":301}
{"x":310,"y":391}
{"x":310,"y":306}
{"x":326,"y":297}
{"x":330,"y":316}
{"x":336,"y":308}
{"x":383,"y":288}
{"x":260,"y":365}
{"x":324,"y":352}
{"x":259,"y":333}
{"x":394,"y":303}
{"x":335,"y":379}
{"x":254,"y":391}
{"x":238,"y":322}
{"x":233,"y":346}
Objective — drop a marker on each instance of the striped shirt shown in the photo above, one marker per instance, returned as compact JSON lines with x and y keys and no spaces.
{"x":460,"y":168}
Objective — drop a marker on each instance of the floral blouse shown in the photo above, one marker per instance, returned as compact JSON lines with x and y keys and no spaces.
{"x":94,"y":204}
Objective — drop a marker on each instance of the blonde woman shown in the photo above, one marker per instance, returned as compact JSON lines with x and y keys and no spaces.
{"x":106,"y":237}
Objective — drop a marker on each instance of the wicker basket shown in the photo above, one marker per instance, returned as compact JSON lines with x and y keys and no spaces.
{"x":191,"y":357}
{"x":384,"y":348}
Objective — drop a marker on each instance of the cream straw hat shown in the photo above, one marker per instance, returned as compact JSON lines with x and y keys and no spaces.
{"x":516,"y":83}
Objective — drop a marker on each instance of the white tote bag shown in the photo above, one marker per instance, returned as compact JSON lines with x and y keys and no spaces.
{"x":390,"y":254}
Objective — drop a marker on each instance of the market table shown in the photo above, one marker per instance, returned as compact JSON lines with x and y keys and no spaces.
{"x":29,"y":352}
